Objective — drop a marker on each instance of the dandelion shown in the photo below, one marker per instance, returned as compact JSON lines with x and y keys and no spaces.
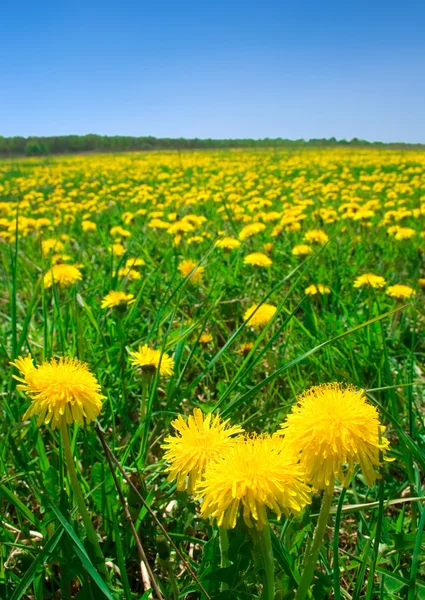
{"x":369,"y":279}
{"x":258,"y":315}
{"x":268,"y":247}
{"x":404,"y":233}
{"x":301,"y":250}
{"x":254,"y":474}
{"x":63,"y":275}
{"x":245,"y":349}
{"x":61,"y":391}
{"x":60,"y":258}
{"x":50,"y":244}
{"x":118,"y":250}
{"x":421,"y":283}
{"x":114,"y":299}
{"x":135,"y":262}
{"x":128,"y":273}
{"x":201,"y":440}
{"x":313,"y":290}
{"x":258,"y":259}
{"x":148,"y":360}
{"x":206,"y":338}
{"x":250,"y":230}
{"x":88,"y":226}
{"x":195,"y":239}
{"x":316,"y":235}
{"x":333,"y":428}
{"x":118,"y":231}
{"x":400,"y":291}
{"x":187,"y":266}
{"x":228,"y":243}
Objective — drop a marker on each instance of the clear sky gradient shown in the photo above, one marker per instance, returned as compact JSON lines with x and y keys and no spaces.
{"x":209,"y":68}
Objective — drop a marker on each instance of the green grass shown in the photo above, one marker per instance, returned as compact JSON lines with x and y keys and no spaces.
{"x":357,"y":336}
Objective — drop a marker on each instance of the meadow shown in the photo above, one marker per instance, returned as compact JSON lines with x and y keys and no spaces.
{"x":172,"y":318}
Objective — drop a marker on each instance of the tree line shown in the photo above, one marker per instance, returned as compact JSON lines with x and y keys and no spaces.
{"x":72,"y":144}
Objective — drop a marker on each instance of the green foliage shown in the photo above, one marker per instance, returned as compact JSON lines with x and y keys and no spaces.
{"x":359,"y":336}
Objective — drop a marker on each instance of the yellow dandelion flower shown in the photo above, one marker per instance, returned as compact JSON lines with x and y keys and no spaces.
{"x":313,"y":290}
{"x":118,"y":249}
{"x":117,"y":299}
{"x":195,"y":239}
{"x":51,"y":244}
{"x":301,"y":250}
{"x":62,"y":275}
{"x":60,"y":258}
{"x":268,"y":247}
{"x":258,"y":315}
{"x":228,"y":243}
{"x":200,"y":441}
{"x":88,"y":226}
{"x":148,"y":360}
{"x":135,"y":262}
{"x":421,"y":283}
{"x":118,"y":231}
{"x":206,"y":338}
{"x":316,"y":235}
{"x":375,"y":281}
{"x":129,"y":273}
{"x":400,"y":291}
{"x":404,"y":233}
{"x":187,"y":266}
{"x":258,"y":259}
{"x":245,"y":349}
{"x":254,"y":474}
{"x":250,"y":230}
{"x":333,"y":428}
{"x":61,"y":390}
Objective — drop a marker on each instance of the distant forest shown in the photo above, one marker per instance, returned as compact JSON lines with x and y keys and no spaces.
{"x":71,"y":144}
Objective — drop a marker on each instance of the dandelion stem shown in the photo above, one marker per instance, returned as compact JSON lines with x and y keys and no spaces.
{"x":91,"y":534}
{"x":266,"y":546}
{"x":224,"y":552}
{"x":336,"y":572}
{"x":311,"y":558}
{"x":224,"y":547}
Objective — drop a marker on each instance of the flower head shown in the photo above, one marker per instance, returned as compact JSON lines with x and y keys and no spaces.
{"x":316,"y":235}
{"x":62,"y":275}
{"x":61,"y":390}
{"x":400,"y":291}
{"x":369,"y":279}
{"x":50,"y":244}
{"x":128,"y":273}
{"x":253,"y":474}
{"x":135,"y":262}
{"x":301,"y":250}
{"x":258,"y":259}
{"x":250,"y":230}
{"x":117,"y":299}
{"x":200,"y":441}
{"x":258,"y":315}
{"x":228,"y":243}
{"x":313,"y":290}
{"x":245,"y":348}
{"x":187,"y":266}
{"x":333,"y":428}
{"x":206,"y":338}
{"x":118,"y":249}
{"x":148,"y":360}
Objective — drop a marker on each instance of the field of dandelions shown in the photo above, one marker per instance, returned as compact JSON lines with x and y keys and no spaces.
{"x":212,"y":372}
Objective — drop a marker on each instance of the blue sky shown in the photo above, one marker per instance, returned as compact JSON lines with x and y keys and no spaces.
{"x":297,"y":69}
